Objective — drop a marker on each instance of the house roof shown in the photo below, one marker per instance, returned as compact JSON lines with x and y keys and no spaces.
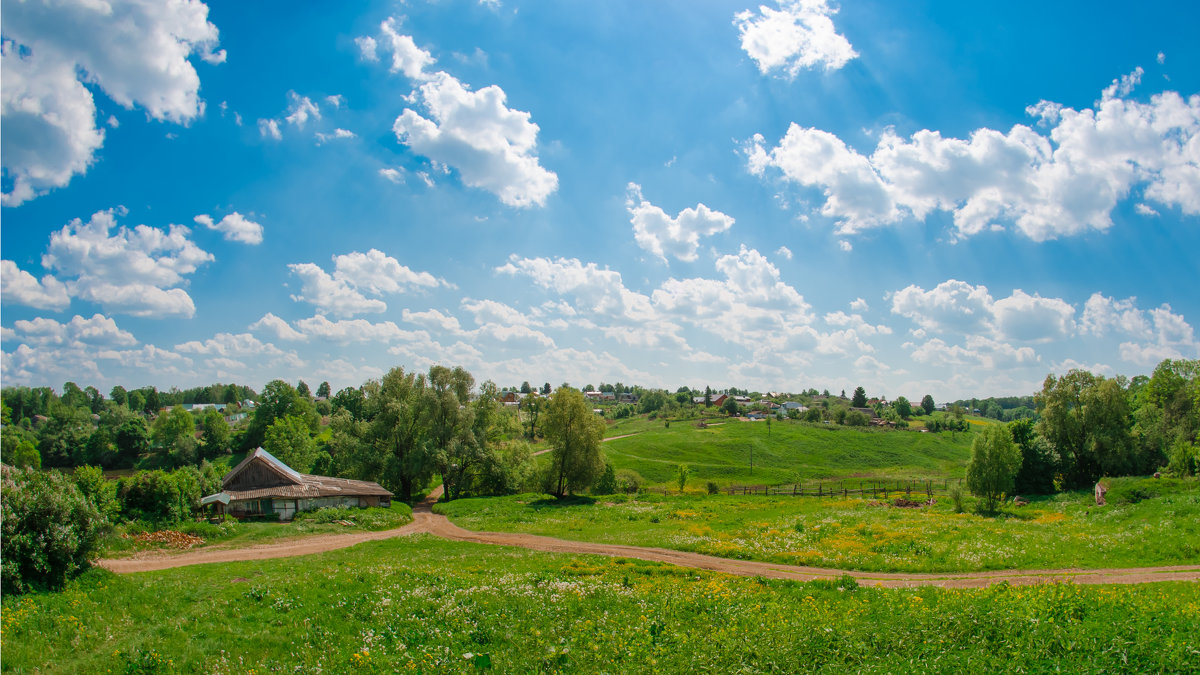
{"x":297,"y":485}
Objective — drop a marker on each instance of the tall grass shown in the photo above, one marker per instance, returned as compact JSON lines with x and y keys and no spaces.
{"x":433,"y":606}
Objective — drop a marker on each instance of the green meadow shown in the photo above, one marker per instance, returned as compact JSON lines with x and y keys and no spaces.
{"x":1148,"y":522}
{"x":425,"y":605}
{"x":783,"y":452}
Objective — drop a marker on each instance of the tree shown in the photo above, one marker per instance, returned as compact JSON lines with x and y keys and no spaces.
{"x":730,"y":406}
{"x":1036,"y":475}
{"x":119,"y":395}
{"x":707,"y":397}
{"x":323,"y":390}
{"x":453,"y":447}
{"x":64,"y":435}
{"x":49,"y":532}
{"x":215,"y":441}
{"x":533,"y":405}
{"x":574,"y":433}
{"x":132,"y":441}
{"x":546,"y":389}
{"x":860,"y":398}
{"x":652,"y":401}
{"x":607,"y":483}
{"x":394,"y":450}
{"x":995,"y":460}
{"x":526,"y":388}
{"x":928,"y":405}
{"x":289,"y":439}
{"x":279,"y":399}
{"x":681,"y":476}
{"x":349,"y":399}
{"x":174,"y":433}
{"x":137,"y":401}
{"x":303,"y":390}
{"x":1087,"y":420}
{"x":903,"y":407}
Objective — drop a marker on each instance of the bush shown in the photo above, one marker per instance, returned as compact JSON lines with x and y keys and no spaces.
{"x":153,"y":496}
{"x":50,"y":530}
{"x":713,"y":488}
{"x":995,"y":460}
{"x":956,"y":496}
{"x":1184,"y":459}
{"x":607,"y":483}
{"x":629,"y":481}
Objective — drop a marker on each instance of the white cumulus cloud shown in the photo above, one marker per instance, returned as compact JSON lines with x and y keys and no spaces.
{"x":799,"y":35}
{"x":1061,"y":183}
{"x":492,"y":146}
{"x":663,"y":235}
{"x":235,"y":227}
{"x":137,"y":53}
{"x":22,"y":288}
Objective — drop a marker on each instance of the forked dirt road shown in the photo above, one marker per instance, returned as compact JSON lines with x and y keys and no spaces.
{"x":427,"y":522}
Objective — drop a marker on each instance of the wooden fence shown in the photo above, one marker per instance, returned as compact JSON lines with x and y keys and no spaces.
{"x":876,"y":489}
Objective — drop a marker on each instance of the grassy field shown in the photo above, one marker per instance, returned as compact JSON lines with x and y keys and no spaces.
{"x":785,"y":453}
{"x":432,"y":606}
{"x":1162,"y":527}
{"x":235,"y":534}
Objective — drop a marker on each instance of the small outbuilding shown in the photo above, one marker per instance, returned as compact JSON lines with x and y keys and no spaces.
{"x":261,"y":485}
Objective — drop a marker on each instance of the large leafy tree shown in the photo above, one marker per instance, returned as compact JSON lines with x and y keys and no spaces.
{"x":289,"y":439}
{"x":215,"y":441}
{"x":132,"y":440}
{"x":995,"y":460}
{"x":279,"y":399}
{"x":174,"y":433}
{"x":1087,"y":420}
{"x":394,"y":447}
{"x":453,"y":447}
{"x":903,"y":407}
{"x":574,"y":432}
{"x":928,"y":405}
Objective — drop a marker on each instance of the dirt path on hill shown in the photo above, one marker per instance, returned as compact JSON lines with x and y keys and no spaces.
{"x":425,"y":521}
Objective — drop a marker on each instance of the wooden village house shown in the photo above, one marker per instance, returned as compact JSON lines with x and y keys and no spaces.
{"x":262,"y":485}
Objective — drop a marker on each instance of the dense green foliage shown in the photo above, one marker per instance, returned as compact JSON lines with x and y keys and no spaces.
{"x":1148,"y":522}
{"x":397,"y":606}
{"x":574,"y":434}
{"x":50,"y":531}
{"x":992,"y":472}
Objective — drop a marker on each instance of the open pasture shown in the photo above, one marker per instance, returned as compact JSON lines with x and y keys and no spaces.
{"x":1147,"y":523}
{"x":784,"y":452}
{"x":426,"y":605}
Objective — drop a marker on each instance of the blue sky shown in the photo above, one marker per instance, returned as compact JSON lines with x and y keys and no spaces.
{"x":923,"y":197}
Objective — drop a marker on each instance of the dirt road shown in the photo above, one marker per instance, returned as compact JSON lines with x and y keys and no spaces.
{"x":426,"y":521}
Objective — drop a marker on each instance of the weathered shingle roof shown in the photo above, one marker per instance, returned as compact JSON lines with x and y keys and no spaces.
{"x":315,"y":486}
{"x":300,"y":486}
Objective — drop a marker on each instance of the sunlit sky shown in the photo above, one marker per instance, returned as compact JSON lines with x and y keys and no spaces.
{"x":920,"y":197}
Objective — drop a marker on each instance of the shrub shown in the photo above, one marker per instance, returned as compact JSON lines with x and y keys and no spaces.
{"x":629,"y":481}
{"x":956,"y":496}
{"x":995,"y":460}
{"x":681,"y":476}
{"x":713,"y":488}
{"x":50,"y":530}
{"x":607,"y":483}
{"x":153,"y":496}
{"x":102,"y":493}
{"x":1184,"y":459}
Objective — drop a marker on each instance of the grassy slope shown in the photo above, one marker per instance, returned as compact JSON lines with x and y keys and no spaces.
{"x":1067,"y":530}
{"x":792,"y":451}
{"x":427,"y":605}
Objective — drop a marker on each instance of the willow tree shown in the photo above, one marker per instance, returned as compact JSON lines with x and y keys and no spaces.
{"x":574,"y":433}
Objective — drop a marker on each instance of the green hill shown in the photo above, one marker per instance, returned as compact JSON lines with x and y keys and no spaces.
{"x":786,"y":453}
